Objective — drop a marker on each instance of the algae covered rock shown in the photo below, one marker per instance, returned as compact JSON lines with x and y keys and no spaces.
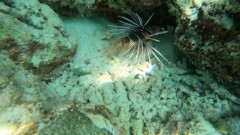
{"x":103,"y":7}
{"x":33,"y":35}
{"x":100,"y":94}
{"x":74,"y":123}
{"x":22,"y":98}
{"x":84,"y":8}
{"x":208,"y":33}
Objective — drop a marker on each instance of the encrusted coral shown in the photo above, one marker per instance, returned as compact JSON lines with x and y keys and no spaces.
{"x":95,"y":90}
{"x":33,"y":35}
{"x":72,"y":122}
{"x":103,"y":7}
{"x":21,"y":98}
{"x":207,"y":32}
{"x":84,"y":8}
{"x":228,"y":125}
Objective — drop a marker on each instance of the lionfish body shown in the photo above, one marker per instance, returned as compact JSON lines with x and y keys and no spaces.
{"x":137,"y":34}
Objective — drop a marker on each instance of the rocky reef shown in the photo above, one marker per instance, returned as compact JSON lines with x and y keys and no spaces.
{"x":102,"y":7}
{"x":30,"y":31}
{"x":91,"y":90}
{"x":208,"y":33}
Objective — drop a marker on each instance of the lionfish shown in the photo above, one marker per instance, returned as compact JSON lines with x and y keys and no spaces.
{"x":137,"y":34}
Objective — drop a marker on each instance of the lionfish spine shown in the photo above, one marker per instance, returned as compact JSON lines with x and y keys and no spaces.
{"x":137,"y":34}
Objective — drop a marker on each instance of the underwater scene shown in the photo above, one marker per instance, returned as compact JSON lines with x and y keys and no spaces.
{"x":119,"y":67}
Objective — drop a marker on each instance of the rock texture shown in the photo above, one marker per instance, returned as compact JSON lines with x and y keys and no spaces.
{"x":72,"y":122}
{"x":208,"y":33}
{"x":33,"y":35}
{"x":103,"y":7}
{"x":22,"y":99}
{"x":138,"y":99}
{"x":103,"y":93}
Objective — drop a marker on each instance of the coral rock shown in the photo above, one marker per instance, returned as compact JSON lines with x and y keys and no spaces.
{"x":33,"y":34}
